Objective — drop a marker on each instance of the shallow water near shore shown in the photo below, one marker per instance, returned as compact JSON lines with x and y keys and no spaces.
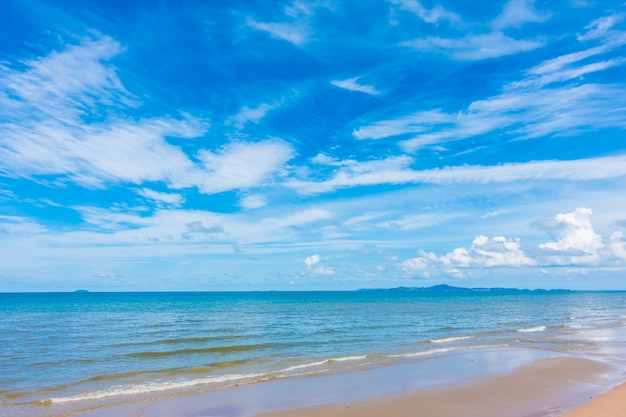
{"x":67,"y":353}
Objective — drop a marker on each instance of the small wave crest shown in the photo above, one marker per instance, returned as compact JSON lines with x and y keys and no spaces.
{"x":532,"y":329}
{"x":445,"y":349}
{"x":150,"y":388}
{"x":450,"y":339}
{"x":324,"y":362}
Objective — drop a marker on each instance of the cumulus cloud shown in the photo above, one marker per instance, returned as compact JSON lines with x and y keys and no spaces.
{"x":414,"y":264}
{"x":312,"y":260}
{"x":576,"y":242}
{"x":488,"y":252}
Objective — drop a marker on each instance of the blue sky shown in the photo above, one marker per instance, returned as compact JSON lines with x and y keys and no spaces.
{"x":298,"y":145}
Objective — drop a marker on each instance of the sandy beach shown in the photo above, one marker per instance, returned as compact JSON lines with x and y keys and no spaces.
{"x":611,"y":404}
{"x":546,"y":388}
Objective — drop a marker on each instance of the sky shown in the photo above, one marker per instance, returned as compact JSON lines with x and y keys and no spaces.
{"x":187,"y":145}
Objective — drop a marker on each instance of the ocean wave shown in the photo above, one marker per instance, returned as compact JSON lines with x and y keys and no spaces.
{"x":444,"y":350}
{"x":218,"y":349}
{"x":152,"y":387}
{"x":450,"y":339}
{"x":532,"y":329}
{"x":324,"y":362}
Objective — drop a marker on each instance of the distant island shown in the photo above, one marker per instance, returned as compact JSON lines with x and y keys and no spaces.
{"x":448,"y":288}
{"x":81,"y":291}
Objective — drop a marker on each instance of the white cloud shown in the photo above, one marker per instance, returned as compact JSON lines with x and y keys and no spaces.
{"x":395,"y":171}
{"x":253,"y":201}
{"x":296,"y":33}
{"x":298,"y":218}
{"x":434,"y":15}
{"x":484,"y":252}
{"x":58,"y":90}
{"x":412,"y":123}
{"x":196,"y":228}
{"x":297,"y":27}
{"x":323,"y":159}
{"x":601,"y":27}
{"x":414,"y":264}
{"x":20,"y":226}
{"x":415,"y":221}
{"x":67,"y":83}
{"x":240,"y":165}
{"x":576,"y":241}
{"x":527,"y":111}
{"x":516,"y":13}
{"x":477,"y":46}
{"x":251,"y":114}
{"x":312,"y":260}
{"x":324,"y":270}
{"x":166,"y":198}
{"x":474,"y":47}
{"x":353,"y":85}
{"x":617,"y":246}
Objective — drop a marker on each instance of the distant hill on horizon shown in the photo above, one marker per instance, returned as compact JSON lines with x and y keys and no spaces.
{"x":449,"y":288}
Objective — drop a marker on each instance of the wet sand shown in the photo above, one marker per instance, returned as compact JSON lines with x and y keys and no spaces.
{"x":510,"y":383}
{"x":611,"y":404}
{"x":546,"y":388}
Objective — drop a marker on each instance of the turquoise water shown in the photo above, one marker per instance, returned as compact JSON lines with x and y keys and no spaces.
{"x":65,"y":352}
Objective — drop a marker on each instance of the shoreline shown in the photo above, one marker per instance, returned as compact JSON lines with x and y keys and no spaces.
{"x":545,"y":388}
{"x":514,"y":383}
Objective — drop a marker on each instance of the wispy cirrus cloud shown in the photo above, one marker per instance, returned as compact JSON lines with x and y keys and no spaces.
{"x":251,"y":115}
{"x":352,"y":84}
{"x":552,"y":98}
{"x":434,"y":15}
{"x":517,"y":13}
{"x":239,"y":165}
{"x":60,"y":94}
{"x":476,"y":46}
{"x":396,"y":171}
{"x":296,"y":28}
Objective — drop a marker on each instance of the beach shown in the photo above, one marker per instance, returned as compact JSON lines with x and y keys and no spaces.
{"x":245,"y":354}
{"x":551,"y":387}
{"x":546,"y":388}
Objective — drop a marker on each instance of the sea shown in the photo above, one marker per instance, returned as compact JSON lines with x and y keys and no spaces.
{"x":64,"y":353}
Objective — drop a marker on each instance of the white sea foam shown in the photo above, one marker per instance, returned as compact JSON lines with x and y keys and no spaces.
{"x":444,"y":350}
{"x":325,"y":362}
{"x":532,"y":329}
{"x":153,"y":387}
{"x":450,"y":339}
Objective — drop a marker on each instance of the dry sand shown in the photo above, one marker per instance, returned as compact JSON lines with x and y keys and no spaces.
{"x":611,"y":404}
{"x":542,"y":389}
